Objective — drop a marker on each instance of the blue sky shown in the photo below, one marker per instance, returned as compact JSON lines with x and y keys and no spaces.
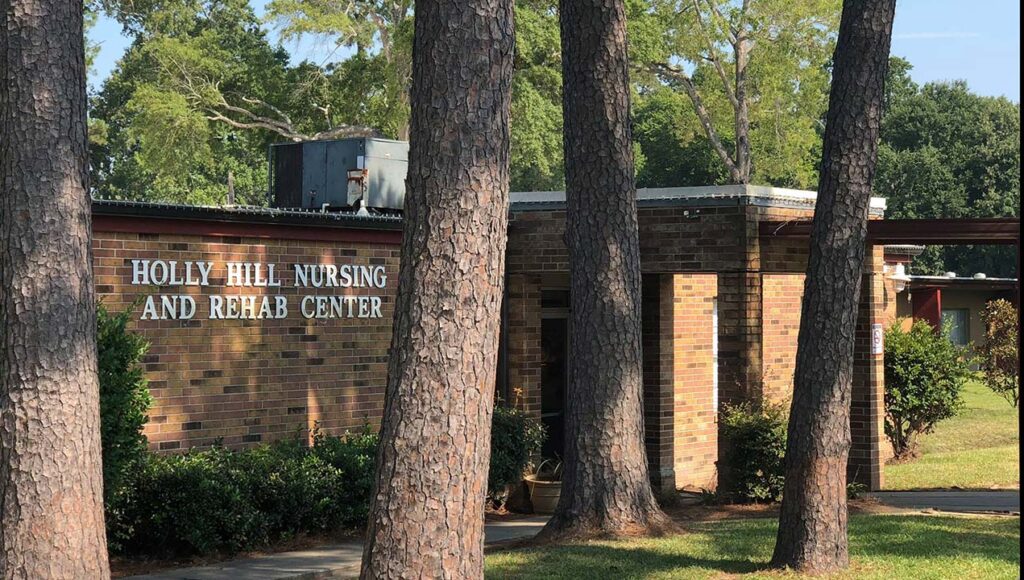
{"x":974,"y":40}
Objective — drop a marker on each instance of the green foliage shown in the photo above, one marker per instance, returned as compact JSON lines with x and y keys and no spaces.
{"x":228,"y":501}
{"x":536,"y":111}
{"x":998,"y":355}
{"x":124,"y":398}
{"x":515,"y":438}
{"x":953,"y":455}
{"x":201,"y":93}
{"x":790,"y":46}
{"x":947,"y":152}
{"x":855,"y":490}
{"x":924,"y":375}
{"x":157,"y":124}
{"x":217,"y":500}
{"x":754,"y":442}
{"x":675,"y":150}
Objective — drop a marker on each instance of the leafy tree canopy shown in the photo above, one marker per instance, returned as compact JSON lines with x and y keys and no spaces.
{"x":948,"y":152}
{"x":765,"y":61}
{"x":202,"y":92}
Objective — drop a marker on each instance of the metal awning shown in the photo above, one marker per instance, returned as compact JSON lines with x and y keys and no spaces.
{"x":975,"y":231}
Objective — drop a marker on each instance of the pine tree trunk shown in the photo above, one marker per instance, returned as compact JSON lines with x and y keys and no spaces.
{"x":606,"y":487}
{"x":427,"y":512}
{"x":812,"y":524}
{"x":51,"y":485}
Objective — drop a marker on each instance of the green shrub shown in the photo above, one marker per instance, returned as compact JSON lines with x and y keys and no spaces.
{"x":124,"y":401}
{"x":195,"y":503}
{"x":515,"y":438}
{"x":228,"y":501}
{"x":924,"y":374}
{"x":998,"y":355}
{"x":754,"y":447}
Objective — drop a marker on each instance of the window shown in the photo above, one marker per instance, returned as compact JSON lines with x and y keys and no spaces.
{"x":957,"y":320}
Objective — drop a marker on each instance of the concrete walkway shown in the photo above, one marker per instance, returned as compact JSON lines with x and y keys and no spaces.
{"x":335,"y":561}
{"x":953,"y":501}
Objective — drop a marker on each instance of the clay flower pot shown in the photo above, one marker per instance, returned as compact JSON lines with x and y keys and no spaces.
{"x":543,"y":494}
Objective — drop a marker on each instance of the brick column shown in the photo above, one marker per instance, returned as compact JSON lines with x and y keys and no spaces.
{"x":691,"y":332}
{"x":659,"y":417}
{"x":524,"y":345}
{"x":867,"y":411}
{"x":680,"y":422}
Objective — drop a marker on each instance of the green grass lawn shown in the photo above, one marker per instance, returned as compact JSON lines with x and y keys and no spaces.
{"x":977,"y":449}
{"x":881,"y":546}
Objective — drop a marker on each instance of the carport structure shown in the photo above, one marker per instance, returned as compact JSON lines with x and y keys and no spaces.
{"x":878,"y":310}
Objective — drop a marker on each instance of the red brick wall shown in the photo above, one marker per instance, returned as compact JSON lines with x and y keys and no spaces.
{"x":681,"y":424}
{"x":695,"y":424}
{"x":248,"y":381}
{"x":679,"y":239}
{"x":783,"y":294}
{"x":523,"y":338}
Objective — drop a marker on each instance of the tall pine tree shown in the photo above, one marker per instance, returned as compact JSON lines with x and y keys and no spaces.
{"x":812,"y":525}
{"x":51,"y":484}
{"x":426,"y":518}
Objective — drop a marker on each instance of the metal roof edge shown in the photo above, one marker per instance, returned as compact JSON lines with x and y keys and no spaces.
{"x":246,"y":214}
{"x":761,"y":195}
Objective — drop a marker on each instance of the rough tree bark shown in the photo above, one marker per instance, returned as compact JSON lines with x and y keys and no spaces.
{"x":606,"y":488}
{"x":51,"y":485}
{"x":426,"y":520}
{"x":812,"y":524}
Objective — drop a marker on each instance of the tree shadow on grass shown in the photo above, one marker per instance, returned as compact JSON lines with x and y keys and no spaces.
{"x":607,"y":560}
{"x":711,"y":549}
{"x":924,"y":537}
{"x":743,"y":550}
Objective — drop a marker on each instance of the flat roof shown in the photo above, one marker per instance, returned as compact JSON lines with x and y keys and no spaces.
{"x":914,"y":278}
{"x":249,"y":214}
{"x":703,"y":196}
{"x":888,"y":232}
{"x":961,"y":283}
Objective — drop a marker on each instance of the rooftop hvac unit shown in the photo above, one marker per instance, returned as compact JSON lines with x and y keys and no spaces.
{"x":345,"y":173}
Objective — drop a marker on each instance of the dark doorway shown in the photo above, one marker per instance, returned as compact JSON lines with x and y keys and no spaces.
{"x":554,"y":374}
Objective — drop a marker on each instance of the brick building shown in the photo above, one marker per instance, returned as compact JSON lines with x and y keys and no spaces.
{"x":720,"y":315}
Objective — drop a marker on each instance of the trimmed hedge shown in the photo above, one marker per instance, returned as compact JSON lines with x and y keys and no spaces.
{"x":998,"y":354}
{"x":218,"y":500}
{"x":228,"y":501}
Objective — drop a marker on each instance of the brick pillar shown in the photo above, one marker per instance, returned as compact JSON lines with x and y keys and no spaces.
{"x":658,"y":379}
{"x":524,"y":346}
{"x":680,"y":421}
{"x":695,"y":421}
{"x":867,"y":411}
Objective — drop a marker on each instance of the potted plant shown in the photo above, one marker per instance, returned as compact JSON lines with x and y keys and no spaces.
{"x":545,"y":485}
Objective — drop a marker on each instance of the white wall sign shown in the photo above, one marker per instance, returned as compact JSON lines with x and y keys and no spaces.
{"x":164,"y":273}
{"x":877,"y":339}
